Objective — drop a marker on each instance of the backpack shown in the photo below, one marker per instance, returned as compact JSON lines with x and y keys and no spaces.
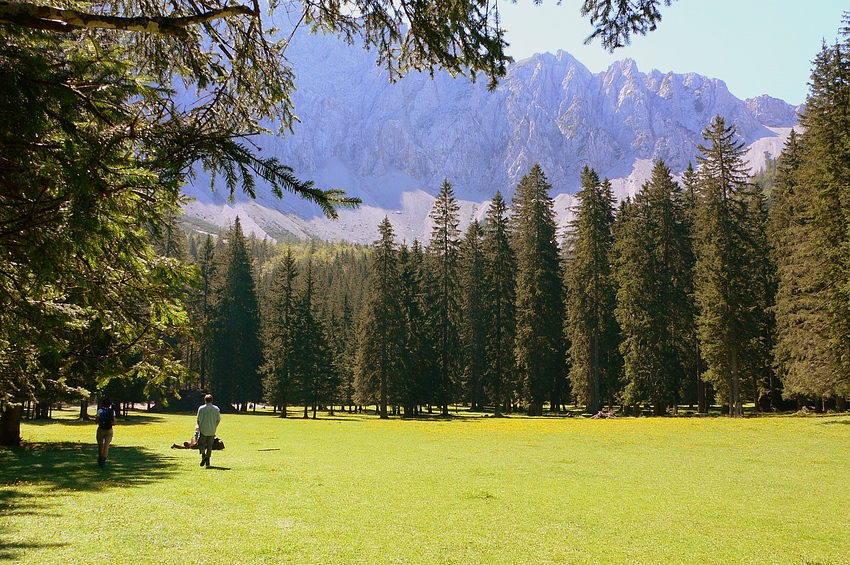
{"x":104,"y":418}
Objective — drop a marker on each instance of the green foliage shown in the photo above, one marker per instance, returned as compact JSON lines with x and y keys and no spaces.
{"x":539,"y":349}
{"x":655,"y":311}
{"x":474,"y":315}
{"x":729,"y":229}
{"x":442,"y":297}
{"x":616,"y":20}
{"x":499,"y":305}
{"x":417,"y":358}
{"x":235,"y":326}
{"x":809,"y":231}
{"x":85,"y":297}
{"x":278,"y":332}
{"x":381,"y":336}
{"x":591,"y":295}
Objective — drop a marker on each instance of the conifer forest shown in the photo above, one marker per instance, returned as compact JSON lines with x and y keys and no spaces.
{"x":719,"y":288}
{"x":723,"y":288}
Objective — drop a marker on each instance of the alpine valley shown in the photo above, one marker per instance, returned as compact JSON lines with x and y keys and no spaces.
{"x":392,"y":145}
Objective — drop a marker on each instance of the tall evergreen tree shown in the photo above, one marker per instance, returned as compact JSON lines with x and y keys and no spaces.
{"x":654,"y":266}
{"x":699,"y":387}
{"x":473,"y":330}
{"x":311,"y":358}
{"x":727,"y":324}
{"x":418,"y":357}
{"x":236,"y":350}
{"x":278,"y":333}
{"x":203,"y":307}
{"x":381,"y":335}
{"x":443,"y":292}
{"x":539,"y":346}
{"x":499,"y":304}
{"x":591,"y":295}
{"x":809,"y":228}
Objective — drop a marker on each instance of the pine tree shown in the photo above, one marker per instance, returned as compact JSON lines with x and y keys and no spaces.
{"x":473,"y":330}
{"x":381,"y":336}
{"x":499,"y":304}
{"x":809,"y":230}
{"x":443,"y":296}
{"x":654,"y":265}
{"x":278,"y":333}
{"x":417,"y":351}
{"x":236,"y":350}
{"x":727,"y":324}
{"x":311,"y":357}
{"x":203,"y":307}
{"x":699,"y":387}
{"x":591,"y":296}
{"x":539,"y":346}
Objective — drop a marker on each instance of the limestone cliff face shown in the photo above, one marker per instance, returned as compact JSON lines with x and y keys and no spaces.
{"x":394,"y":144}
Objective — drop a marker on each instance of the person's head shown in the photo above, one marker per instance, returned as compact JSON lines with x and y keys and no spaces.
{"x":106,"y":402}
{"x":208,"y":399}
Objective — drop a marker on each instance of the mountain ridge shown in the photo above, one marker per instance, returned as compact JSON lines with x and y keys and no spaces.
{"x":392,"y":145}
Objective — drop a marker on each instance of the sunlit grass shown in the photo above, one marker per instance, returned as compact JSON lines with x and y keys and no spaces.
{"x":354,"y":489}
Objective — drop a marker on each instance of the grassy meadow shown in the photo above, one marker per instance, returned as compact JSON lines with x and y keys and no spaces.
{"x":353,"y":489}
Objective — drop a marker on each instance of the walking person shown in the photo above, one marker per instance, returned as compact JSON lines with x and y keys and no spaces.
{"x":208,"y":418}
{"x":105,"y":418}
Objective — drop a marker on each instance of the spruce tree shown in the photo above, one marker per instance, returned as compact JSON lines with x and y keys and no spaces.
{"x":443,"y":297}
{"x":278,"y":333}
{"x":417,"y":352}
{"x":809,"y":229}
{"x":727,"y":323}
{"x":473,"y":330}
{"x":236,"y":349}
{"x":539,"y":346}
{"x":311,"y":356}
{"x":381,"y":332}
{"x":699,"y":387}
{"x":204,"y":300}
{"x":654,"y":265}
{"x":591,"y":295}
{"x":499,"y":305}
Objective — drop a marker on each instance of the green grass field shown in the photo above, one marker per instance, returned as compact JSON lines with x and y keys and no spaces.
{"x":354,"y":489}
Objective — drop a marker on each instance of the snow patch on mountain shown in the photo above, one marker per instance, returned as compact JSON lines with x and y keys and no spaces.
{"x":392,"y":145}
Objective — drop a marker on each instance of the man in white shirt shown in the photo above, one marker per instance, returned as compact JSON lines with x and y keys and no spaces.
{"x":208,"y":418}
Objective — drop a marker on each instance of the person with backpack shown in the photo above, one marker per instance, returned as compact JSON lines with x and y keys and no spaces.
{"x":105,"y":418}
{"x":208,"y":418}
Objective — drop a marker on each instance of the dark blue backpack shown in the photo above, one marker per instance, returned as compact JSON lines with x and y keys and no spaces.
{"x":104,"y":418}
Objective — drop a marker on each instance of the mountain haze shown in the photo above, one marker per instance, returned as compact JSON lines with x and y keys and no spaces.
{"x":392,"y":145}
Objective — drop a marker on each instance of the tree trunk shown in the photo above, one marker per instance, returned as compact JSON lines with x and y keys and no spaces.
{"x":10,"y":425}
{"x":594,"y":393}
{"x":383,"y":406}
{"x":84,"y":410}
{"x":735,"y":407}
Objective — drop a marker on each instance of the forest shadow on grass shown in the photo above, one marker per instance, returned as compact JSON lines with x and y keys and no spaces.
{"x":134,"y":419}
{"x":33,"y":475}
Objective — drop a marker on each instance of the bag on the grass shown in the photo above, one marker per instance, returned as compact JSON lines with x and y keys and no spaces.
{"x":217,"y":443}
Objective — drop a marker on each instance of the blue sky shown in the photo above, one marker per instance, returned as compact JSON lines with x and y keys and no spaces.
{"x":755,"y":46}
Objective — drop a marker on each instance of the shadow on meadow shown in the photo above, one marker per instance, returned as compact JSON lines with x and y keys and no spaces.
{"x":32,"y":475}
{"x":134,"y":419}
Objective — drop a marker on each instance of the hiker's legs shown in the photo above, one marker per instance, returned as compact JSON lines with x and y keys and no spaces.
{"x":205,"y":444}
{"x":104,"y":437}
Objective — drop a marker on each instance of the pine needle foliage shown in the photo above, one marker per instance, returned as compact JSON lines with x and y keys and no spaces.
{"x":539,"y":349}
